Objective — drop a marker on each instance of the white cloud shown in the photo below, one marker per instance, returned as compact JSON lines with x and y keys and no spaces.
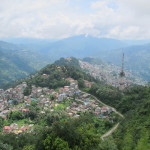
{"x":99,"y":4}
{"x":121,"y":19}
{"x":140,"y":7}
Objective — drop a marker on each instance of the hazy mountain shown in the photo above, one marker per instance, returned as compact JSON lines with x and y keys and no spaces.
{"x":28,"y":41}
{"x":37,"y":53}
{"x":47,"y":51}
{"x":136,"y":42}
{"x":12,"y":66}
{"x":137,"y":58}
{"x":81,"y":46}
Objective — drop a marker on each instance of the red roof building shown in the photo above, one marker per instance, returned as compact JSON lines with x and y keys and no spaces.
{"x":6,"y":129}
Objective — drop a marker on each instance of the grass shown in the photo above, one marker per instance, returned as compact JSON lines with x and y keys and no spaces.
{"x":59,"y":107}
{"x":23,"y":122}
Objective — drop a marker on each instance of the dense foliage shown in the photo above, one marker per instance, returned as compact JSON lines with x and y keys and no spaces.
{"x":68,"y":62}
{"x":134,"y":131}
{"x":134,"y":103}
{"x":12,"y":66}
{"x":55,"y":131}
{"x":82,"y":133}
{"x":108,"y":94}
{"x":54,"y":76}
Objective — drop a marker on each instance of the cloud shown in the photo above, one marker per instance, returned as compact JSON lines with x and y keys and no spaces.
{"x":122,"y":19}
{"x":139,"y":7}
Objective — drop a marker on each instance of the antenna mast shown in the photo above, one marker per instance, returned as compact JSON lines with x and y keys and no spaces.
{"x":122,"y":74}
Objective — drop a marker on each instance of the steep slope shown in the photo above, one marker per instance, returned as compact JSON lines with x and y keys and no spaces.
{"x":134,"y":132}
{"x":83,"y":132}
{"x":134,"y":103}
{"x":12,"y":66}
{"x":54,"y":75}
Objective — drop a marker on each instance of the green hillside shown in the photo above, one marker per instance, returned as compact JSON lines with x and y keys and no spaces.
{"x":12,"y":66}
{"x":134,"y":130}
{"x":56,"y":74}
{"x":39,"y":53}
{"x":54,"y":130}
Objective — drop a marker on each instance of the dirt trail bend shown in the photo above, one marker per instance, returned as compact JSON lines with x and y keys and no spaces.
{"x":110,"y":131}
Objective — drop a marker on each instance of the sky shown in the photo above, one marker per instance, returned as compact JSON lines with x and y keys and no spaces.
{"x":57,"y":19}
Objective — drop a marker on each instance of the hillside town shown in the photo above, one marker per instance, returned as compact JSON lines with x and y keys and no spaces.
{"x":68,"y":99}
{"x":110,"y":74}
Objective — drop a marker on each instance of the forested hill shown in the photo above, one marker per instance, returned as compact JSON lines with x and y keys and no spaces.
{"x":134,"y":130}
{"x":54,"y":75}
{"x":70,"y":61}
{"x":12,"y":66}
{"x":134,"y":103}
{"x":55,"y":131}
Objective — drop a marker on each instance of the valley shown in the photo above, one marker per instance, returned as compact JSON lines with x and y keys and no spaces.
{"x":85,"y":90}
{"x":26,"y":56}
{"x":69,"y":98}
{"x":74,"y":75}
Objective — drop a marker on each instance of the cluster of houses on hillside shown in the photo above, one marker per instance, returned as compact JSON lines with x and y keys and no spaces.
{"x":14,"y":128}
{"x":10,"y":95}
{"x":110,"y":74}
{"x":85,"y":103}
{"x":49,"y":99}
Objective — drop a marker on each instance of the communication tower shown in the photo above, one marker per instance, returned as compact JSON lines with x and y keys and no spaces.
{"x":122,"y":75}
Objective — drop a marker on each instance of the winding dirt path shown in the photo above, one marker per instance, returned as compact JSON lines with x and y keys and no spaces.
{"x":99,"y":101}
{"x":112,"y":130}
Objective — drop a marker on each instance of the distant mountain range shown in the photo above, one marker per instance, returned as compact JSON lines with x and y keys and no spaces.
{"x":26,"y":55}
{"x":77,"y":46}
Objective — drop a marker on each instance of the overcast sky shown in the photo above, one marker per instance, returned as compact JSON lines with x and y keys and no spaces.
{"x":120,"y":19}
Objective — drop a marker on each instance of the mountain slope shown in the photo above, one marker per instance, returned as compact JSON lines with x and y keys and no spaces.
{"x":54,"y":129}
{"x":137,"y":59}
{"x":134,"y":130}
{"x":109,"y":50}
{"x":81,"y":46}
{"x":12,"y":66}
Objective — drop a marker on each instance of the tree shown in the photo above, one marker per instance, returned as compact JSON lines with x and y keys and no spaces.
{"x":16,"y":115}
{"x":128,"y":141}
{"x":55,"y":143}
{"x":81,"y":83}
{"x":48,"y":143}
{"x":29,"y":147}
{"x":60,"y":144}
{"x":51,"y":118}
{"x":27,"y":91}
{"x":5,"y":146}
{"x":108,"y":144}
{"x":143,"y":142}
{"x":1,"y":123}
